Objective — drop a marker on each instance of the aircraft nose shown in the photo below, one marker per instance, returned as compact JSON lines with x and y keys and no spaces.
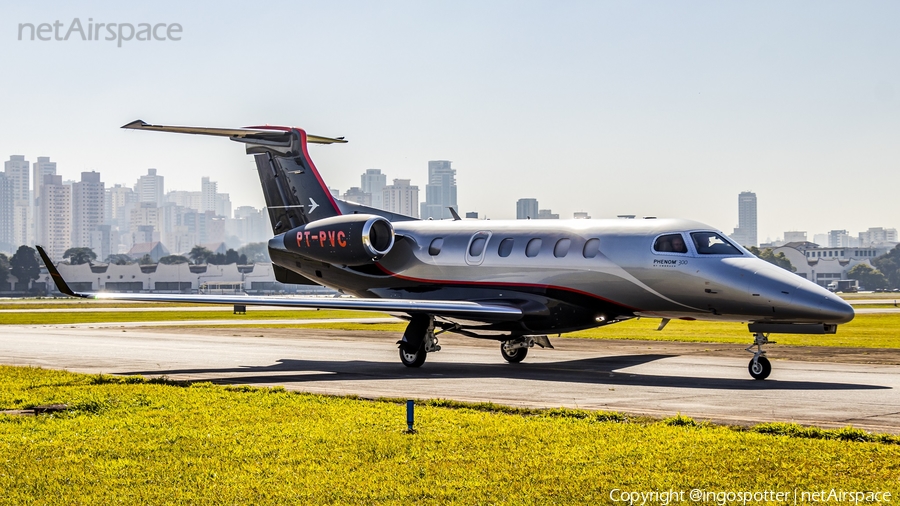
{"x":829,"y":307}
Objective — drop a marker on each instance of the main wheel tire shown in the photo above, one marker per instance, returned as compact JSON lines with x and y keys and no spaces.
{"x":515,"y":356}
{"x":760,"y":368}
{"x":413,"y":359}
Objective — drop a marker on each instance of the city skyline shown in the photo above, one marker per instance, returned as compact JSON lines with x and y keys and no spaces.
{"x":150,"y":188}
{"x":677,"y":107}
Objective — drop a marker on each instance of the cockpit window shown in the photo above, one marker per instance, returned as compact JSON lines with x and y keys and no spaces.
{"x":711,"y":243}
{"x":670,"y":243}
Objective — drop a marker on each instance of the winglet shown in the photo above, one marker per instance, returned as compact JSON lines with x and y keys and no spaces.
{"x":455,"y":214}
{"x":54,"y":273}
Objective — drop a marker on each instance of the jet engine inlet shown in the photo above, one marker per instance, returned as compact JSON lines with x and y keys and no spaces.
{"x":356,"y":239}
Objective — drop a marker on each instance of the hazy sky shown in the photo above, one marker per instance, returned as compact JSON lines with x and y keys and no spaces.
{"x":650,"y":108}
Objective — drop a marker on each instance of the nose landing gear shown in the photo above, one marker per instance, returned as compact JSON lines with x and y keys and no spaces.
{"x":760,"y":367}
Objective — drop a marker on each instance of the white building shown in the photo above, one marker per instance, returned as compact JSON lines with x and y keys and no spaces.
{"x":839,"y":239}
{"x":357,"y":195}
{"x":794,"y":236}
{"x":6,"y":214}
{"x":877,"y":235}
{"x":88,"y":197}
{"x":527,"y":209}
{"x":151,"y":188}
{"x":16,"y":170}
{"x":746,"y":231}
{"x":56,"y":217}
{"x":373,"y":183}
{"x":824,"y":265}
{"x":440,"y":192}
{"x":178,"y":278}
{"x":401,"y":198}
{"x":42,"y":167}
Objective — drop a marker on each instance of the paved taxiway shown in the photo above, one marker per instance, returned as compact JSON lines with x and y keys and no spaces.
{"x":704,"y":381}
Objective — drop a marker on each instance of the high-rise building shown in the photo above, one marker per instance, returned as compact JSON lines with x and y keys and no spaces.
{"x":746,"y":231}
{"x":103,"y":241}
{"x":527,"y":209}
{"x":581,"y":215}
{"x":7,"y":205}
{"x":56,"y":217}
{"x":401,"y":198}
{"x":88,"y":197}
{"x":794,"y":236}
{"x":223,"y":205}
{"x":190,"y":200}
{"x":208,"y":191}
{"x":151,"y":188}
{"x":877,"y":235}
{"x":838,"y":239}
{"x":472,"y":215}
{"x":547,"y":214}
{"x":145,"y":222}
{"x":16,"y":170}
{"x":373,"y":183}
{"x":251,"y":224}
{"x":42,"y":167}
{"x":359,"y":196}
{"x":440,"y":192}
{"x":119,"y":202}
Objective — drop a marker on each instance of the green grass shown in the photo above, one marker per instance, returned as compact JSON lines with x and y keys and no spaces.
{"x":865,"y":331}
{"x":175,"y":316}
{"x":70,"y":303}
{"x":870,"y":295}
{"x":132,"y":441}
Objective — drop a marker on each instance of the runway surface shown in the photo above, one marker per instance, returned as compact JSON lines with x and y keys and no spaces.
{"x":704,"y":381}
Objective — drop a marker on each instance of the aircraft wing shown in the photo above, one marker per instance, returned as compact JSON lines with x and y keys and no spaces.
{"x":451,"y":308}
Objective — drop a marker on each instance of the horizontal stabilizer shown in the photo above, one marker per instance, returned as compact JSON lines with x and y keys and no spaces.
{"x":264,"y":133}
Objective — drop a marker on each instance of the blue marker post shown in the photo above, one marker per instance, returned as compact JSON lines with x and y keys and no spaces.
{"x":410,"y":416}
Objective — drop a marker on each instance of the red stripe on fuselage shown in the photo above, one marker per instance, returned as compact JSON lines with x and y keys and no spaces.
{"x":502,"y":284}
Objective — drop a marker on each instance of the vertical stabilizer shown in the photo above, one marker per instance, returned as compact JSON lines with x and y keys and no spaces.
{"x":295,"y":192}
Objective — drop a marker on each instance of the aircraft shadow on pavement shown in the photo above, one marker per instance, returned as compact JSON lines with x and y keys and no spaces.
{"x":599,"y":371}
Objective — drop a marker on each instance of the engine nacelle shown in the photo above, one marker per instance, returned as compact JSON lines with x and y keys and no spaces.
{"x":353,"y":239}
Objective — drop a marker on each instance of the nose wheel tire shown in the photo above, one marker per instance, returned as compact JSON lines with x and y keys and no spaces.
{"x":513,"y":356}
{"x":413,"y":359}
{"x":760,"y":368}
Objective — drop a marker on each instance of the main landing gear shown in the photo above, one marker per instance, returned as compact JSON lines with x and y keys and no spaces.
{"x":420,"y":339}
{"x":760,"y":367}
{"x":515,"y":350}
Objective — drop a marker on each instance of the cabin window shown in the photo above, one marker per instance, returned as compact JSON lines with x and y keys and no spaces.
{"x":533,"y":247}
{"x":670,"y":243}
{"x":435,"y":248}
{"x":506,"y":246}
{"x":711,"y":243}
{"x":591,"y":248}
{"x":477,"y":247}
{"x":562,"y":248}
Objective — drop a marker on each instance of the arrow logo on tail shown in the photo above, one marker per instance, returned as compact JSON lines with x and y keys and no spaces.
{"x":312,"y":205}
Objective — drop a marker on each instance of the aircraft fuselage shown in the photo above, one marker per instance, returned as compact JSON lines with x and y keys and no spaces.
{"x":573,"y":274}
